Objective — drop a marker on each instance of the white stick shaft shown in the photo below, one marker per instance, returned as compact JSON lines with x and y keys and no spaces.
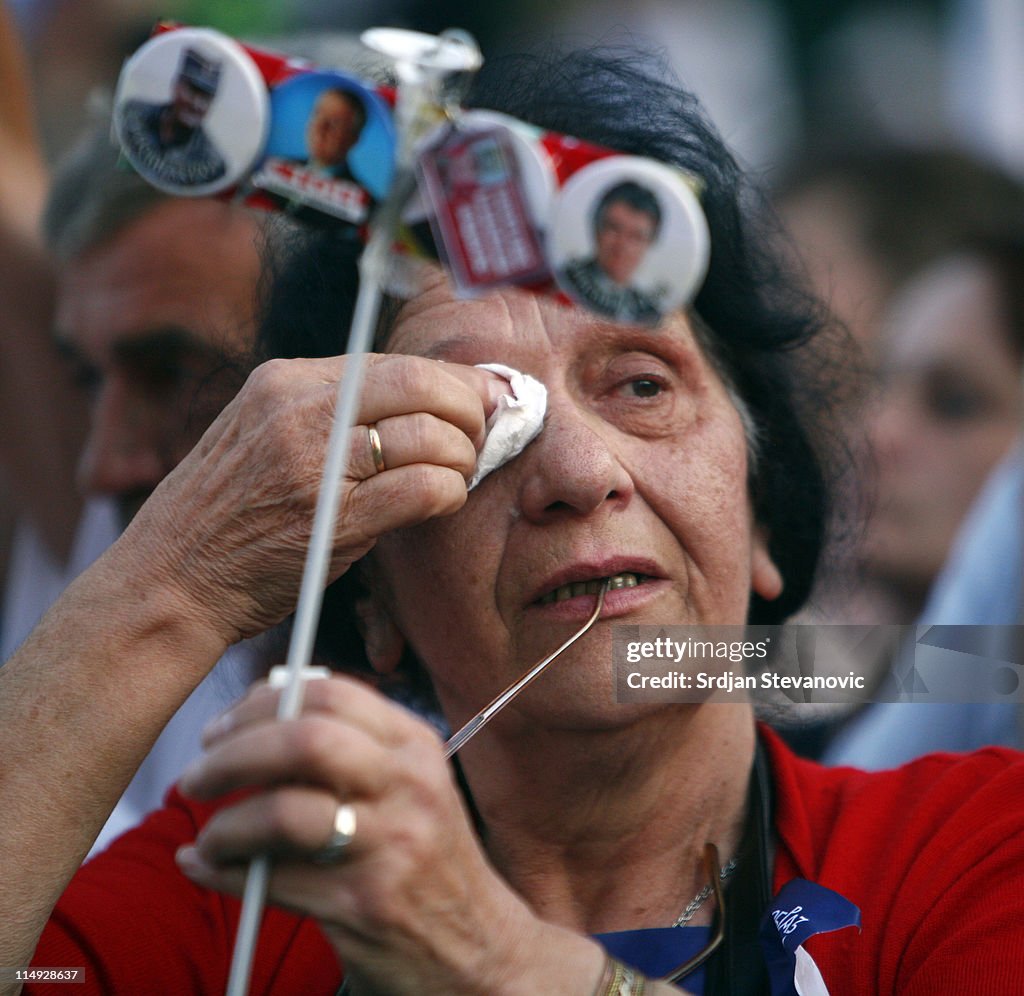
{"x":372,"y":267}
{"x":314,"y":579}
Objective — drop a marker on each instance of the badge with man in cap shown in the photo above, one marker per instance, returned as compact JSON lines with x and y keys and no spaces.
{"x":167,"y":142}
{"x":192,"y":112}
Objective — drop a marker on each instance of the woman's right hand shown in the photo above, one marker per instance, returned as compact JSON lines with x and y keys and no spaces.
{"x":411,"y":904}
{"x":228,"y":528}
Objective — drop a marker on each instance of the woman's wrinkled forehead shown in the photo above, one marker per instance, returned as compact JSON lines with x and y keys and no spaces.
{"x":505,"y":326}
{"x":435,"y":323}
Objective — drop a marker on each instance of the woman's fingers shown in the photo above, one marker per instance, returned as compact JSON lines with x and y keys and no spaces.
{"x":317,"y":749}
{"x":296,"y":883}
{"x":290,"y":821}
{"x":346,"y":699}
{"x":348,"y":739}
{"x":402,"y":385}
{"x":417,"y":438}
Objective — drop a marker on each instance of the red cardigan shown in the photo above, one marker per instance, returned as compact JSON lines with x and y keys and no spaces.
{"x":932,"y":853}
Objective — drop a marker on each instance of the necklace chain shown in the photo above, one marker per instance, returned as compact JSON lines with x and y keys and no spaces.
{"x":698,"y":900}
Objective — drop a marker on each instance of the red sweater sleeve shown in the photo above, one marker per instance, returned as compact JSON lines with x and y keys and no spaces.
{"x":932,"y":853}
{"x":138,"y":926}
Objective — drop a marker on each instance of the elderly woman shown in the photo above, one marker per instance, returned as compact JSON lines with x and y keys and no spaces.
{"x":675,"y":461}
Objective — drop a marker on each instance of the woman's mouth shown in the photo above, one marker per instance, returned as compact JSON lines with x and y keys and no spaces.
{"x":627,"y":579}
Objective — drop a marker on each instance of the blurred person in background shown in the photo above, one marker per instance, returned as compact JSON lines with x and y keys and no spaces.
{"x":980,"y":587}
{"x":947,"y":536}
{"x":948,"y":410}
{"x":154,"y":311}
{"x":154,"y":306}
{"x":865,"y":223}
{"x":38,"y":440}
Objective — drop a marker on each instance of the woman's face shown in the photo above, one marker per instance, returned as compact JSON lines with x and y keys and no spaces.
{"x":641,"y":469}
{"x":950,"y":407}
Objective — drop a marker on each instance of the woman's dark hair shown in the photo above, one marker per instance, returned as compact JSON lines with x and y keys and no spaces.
{"x":763,"y":327}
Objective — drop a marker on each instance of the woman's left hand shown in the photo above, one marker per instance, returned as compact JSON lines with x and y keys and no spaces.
{"x":411,"y":904}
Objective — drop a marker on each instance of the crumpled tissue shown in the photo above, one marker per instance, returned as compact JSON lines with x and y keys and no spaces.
{"x":514,"y":423}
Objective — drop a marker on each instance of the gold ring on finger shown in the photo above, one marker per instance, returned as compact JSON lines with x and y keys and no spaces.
{"x":343,"y":830}
{"x":376,"y":449}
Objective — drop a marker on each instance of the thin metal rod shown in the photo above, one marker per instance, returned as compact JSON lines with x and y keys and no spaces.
{"x":373,"y":266}
{"x":489,"y":711}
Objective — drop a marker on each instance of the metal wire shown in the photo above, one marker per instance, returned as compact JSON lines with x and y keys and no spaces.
{"x":489,"y":711}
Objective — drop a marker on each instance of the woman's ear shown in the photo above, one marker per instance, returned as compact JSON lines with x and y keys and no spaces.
{"x":384,"y":641}
{"x":765,"y":578}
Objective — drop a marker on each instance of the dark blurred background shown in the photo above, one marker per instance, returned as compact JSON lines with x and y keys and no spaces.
{"x":780,"y":77}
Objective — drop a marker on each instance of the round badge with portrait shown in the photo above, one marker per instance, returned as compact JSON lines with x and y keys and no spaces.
{"x":628,"y":239}
{"x":191,"y":112}
{"x":331,"y":148}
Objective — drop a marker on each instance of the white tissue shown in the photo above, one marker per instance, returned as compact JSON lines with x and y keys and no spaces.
{"x":515,"y":421}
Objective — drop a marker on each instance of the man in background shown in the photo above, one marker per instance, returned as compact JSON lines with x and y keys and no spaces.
{"x":155,"y":310}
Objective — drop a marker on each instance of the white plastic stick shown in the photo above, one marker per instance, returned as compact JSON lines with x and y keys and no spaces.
{"x":412,"y":99}
{"x":314,"y":579}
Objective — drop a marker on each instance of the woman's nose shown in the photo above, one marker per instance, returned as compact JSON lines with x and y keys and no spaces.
{"x":572,"y":467}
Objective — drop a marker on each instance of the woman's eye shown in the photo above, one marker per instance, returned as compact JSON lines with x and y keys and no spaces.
{"x":643,"y":387}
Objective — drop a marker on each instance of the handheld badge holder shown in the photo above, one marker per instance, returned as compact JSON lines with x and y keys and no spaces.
{"x":422,"y":64}
{"x":495,"y":201}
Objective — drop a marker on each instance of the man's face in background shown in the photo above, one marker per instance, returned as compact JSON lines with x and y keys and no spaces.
{"x":159,"y":323}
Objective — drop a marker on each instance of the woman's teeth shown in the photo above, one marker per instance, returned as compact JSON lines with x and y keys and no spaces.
{"x":566,"y":591}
